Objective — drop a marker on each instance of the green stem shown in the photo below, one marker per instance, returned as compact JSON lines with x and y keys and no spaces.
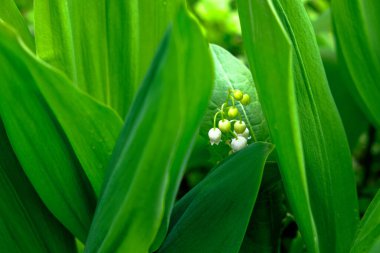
{"x":235,"y":135}
{"x":233,"y":100}
{"x":216,"y":114}
{"x":222,"y":110}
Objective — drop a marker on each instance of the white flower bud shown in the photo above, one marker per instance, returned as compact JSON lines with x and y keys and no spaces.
{"x":215,"y":136}
{"x":238,"y":143}
{"x":245,"y":134}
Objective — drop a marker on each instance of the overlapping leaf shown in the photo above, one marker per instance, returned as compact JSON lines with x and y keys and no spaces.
{"x":62,"y":138}
{"x":25,"y":223}
{"x":105,"y":47}
{"x":357,"y":26}
{"x":304,"y":124}
{"x":214,"y":215}
{"x":153,"y":148}
{"x":11,"y":15}
{"x":368,"y":235}
{"x":267,"y":220}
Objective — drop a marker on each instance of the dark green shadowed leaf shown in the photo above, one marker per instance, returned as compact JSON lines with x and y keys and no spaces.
{"x":357,"y":26}
{"x":267,"y":220}
{"x":63,"y":149}
{"x":11,"y":15}
{"x":313,"y":153}
{"x":214,"y":215}
{"x":105,"y":47}
{"x":25,"y":223}
{"x":368,"y":234}
{"x":152,"y":151}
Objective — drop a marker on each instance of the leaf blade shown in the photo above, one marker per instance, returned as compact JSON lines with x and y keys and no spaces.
{"x":49,"y":110}
{"x":25,"y":223}
{"x":311,"y":117}
{"x":159,"y":119}
{"x":223,"y":200}
{"x":356,"y":27}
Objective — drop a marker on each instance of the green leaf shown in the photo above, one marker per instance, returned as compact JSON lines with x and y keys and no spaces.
{"x":368,"y":234}
{"x":153,"y":20}
{"x":313,"y":153}
{"x":214,"y":215}
{"x":25,"y":223}
{"x":231,"y":73}
{"x":152,"y":151}
{"x":10,"y":14}
{"x":354,"y":120}
{"x":267,"y":219}
{"x":104,"y":47}
{"x":60,"y":135}
{"x":357,"y":30}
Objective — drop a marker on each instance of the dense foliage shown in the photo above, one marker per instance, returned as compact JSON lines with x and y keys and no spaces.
{"x":189,"y":126}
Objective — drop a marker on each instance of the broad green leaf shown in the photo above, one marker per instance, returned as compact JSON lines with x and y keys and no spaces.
{"x":368,"y":234}
{"x":25,"y":223}
{"x":11,"y":15}
{"x":267,"y":219}
{"x":313,"y":153}
{"x":214,"y":215}
{"x":230,"y":74}
{"x":354,"y":121}
{"x":152,"y":151}
{"x":105,"y":47}
{"x":153,"y":19}
{"x":353,"y":118}
{"x":357,"y":26}
{"x":62,"y":138}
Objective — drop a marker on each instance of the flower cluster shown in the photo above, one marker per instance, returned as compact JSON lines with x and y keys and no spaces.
{"x":231,"y":123}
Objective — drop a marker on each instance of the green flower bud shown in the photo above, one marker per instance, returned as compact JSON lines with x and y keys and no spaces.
{"x":233,"y":112}
{"x":245,"y":100}
{"x":239,"y":127}
{"x":238,"y":94}
{"x":224,"y":125}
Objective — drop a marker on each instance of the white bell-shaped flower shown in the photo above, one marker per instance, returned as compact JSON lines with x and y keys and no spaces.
{"x":238,"y":143}
{"x":245,"y":134}
{"x":215,"y":135}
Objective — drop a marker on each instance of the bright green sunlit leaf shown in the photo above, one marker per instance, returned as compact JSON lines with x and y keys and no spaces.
{"x":149,"y":159}
{"x":104,"y":47}
{"x":11,"y":15}
{"x":60,"y":135}
{"x":357,"y":26}
{"x":311,"y":145}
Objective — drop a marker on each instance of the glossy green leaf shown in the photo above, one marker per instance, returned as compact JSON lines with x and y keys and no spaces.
{"x":357,"y":26}
{"x":231,"y":73}
{"x":354,"y":120}
{"x":368,"y":234}
{"x":10,"y":14}
{"x":60,"y":135}
{"x":25,"y":223}
{"x":105,"y":47}
{"x":214,"y":215}
{"x":152,"y":151}
{"x":313,"y":153}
